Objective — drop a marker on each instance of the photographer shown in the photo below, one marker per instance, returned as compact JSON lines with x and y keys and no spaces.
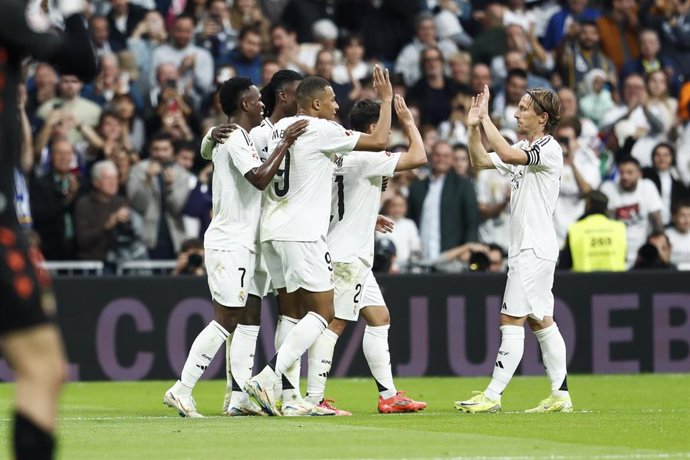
{"x":158,"y":189}
{"x":190,"y":260}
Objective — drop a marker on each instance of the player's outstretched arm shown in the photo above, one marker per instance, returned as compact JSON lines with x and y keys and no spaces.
{"x":378,"y":139}
{"x":216,"y":135}
{"x":260,"y":177}
{"x":479,"y":158}
{"x":70,"y":51}
{"x":416,"y":155}
{"x":503,"y":149}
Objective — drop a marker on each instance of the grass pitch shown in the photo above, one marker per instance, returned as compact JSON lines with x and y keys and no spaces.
{"x":616,"y":417}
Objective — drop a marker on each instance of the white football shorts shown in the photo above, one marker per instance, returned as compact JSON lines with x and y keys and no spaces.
{"x":229,"y":274}
{"x":528,"y":290}
{"x":299,"y":264}
{"x":260,"y":284}
{"x":355,"y":288}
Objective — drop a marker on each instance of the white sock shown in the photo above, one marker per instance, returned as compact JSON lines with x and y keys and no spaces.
{"x":320,"y":361}
{"x":377,"y":353}
{"x":242,"y":360}
{"x":298,"y":340}
{"x":554,"y":357}
{"x":203,"y":350}
{"x":228,"y":366}
{"x":285,"y":325}
{"x":507,"y":360}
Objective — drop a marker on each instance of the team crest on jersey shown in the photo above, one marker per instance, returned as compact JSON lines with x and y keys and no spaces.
{"x":242,"y":296}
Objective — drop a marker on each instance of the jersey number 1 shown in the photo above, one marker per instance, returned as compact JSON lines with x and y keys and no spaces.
{"x":341,"y":197}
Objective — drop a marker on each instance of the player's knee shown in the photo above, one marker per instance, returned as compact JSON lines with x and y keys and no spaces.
{"x":506,"y":320}
{"x":337,"y":326}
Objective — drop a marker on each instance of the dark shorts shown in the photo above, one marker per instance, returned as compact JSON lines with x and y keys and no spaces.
{"x":25,"y":296}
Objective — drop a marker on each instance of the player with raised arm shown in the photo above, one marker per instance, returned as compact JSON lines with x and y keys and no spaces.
{"x":231,"y":239}
{"x":29,"y":338}
{"x":356,"y":196}
{"x":295,"y":222}
{"x":534,"y":165}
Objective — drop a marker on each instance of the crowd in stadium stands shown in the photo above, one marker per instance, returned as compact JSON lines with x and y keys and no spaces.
{"x":111,"y":170}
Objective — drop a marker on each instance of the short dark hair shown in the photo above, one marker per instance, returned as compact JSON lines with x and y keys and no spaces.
{"x":669,"y":147}
{"x":519,"y":73}
{"x":161,"y":136}
{"x":231,"y":93}
{"x":364,"y":113}
{"x":181,"y":145}
{"x":279,"y":81}
{"x":628,"y":159}
{"x":598,"y":202}
{"x":310,"y":88}
{"x":250,"y":29}
{"x":572,"y":122}
{"x":185,"y":16}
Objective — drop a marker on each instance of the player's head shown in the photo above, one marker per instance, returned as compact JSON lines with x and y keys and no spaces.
{"x":239,"y":95}
{"x":538,"y":112}
{"x":629,"y":171}
{"x":364,"y":115}
{"x":315,"y":96}
{"x":281,"y":90}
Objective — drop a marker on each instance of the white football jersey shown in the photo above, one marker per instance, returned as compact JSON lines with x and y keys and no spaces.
{"x":298,"y":202}
{"x":236,"y":202}
{"x":356,"y":199}
{"x":534,"y":193}
{"x":260,"y":135}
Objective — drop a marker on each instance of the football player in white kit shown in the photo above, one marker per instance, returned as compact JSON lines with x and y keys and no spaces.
{"x":356,"y":198}
{"x":295,"y":222}
{"x":534,"y":166}
{"x":231,"y":239}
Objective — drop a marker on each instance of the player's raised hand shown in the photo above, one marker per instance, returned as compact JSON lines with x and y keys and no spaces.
{"x":220,"y":133}
{"x":403,"y":112}
{"x":295,"y":130}
{"x":473,"y":119}
{"x":382,"y":84}
{"x":484,"y":106}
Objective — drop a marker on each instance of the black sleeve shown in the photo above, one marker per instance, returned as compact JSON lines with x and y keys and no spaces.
{"x":71,"y":52}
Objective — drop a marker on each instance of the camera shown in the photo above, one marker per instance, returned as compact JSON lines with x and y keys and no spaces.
{"x":194,"y":261}
{"x":171,"y":83}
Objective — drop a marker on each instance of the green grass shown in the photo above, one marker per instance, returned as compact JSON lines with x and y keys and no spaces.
{"x":645,"y":416}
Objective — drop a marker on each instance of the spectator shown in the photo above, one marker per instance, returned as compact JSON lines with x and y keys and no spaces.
{"x":145,"y":39}
{"x":506,"y":102}
{"x":493,"y":201}
{"x":168,"y":105}
{"x":405,"y":236}
{"x":110,"y":136}
{"x":300,"y":15}
{"x":569,"y":109}
{"x":268,"y":68}
{"x":354,"y":67}
{"x":497,"y":259}
{"x":651,"y":59}
{"x":446,"y":17}
{"x":480,"y":76}
{"x":199,"y":208}
{"x":635,"y":121}
{"x":514,"y":59}
{"x":460,"y":65}
{"x":214,"y":32}
{"x":109,"y":82}
{"x":44,"y":88}
{"x":409,"y":62}
{"x":660,"y":101}
{"x":123,"y":18}
{"x":461,"y":161}
{"x":345,"y":95}
{"x":634,"y":201}
{"x":529,"y":51}
{"x":157,"y":189}
{"x":595,"y":242}
{"x":579,"y":177}
{"x":124,"y":106}
{"x":565,"y":24}
{"x":454,"y":130}
{"x":124,"y":161}
{"x":190,"y":260}
{"x":655,"y":254}
{"x":515,"y":13}
{"x":619,"y":26}
{"x":433,"y":92}
{"x":82,"y":111}
{"x":52,"y":203}
{"x":578,"y":55}
{"x":100,"y":36}
{"x":666,"y":179}
{"x":444,"y":206}
{"x":675,"y":35}
{"x":492,"y":40}
{"x":195,"y":65}
{"x":597,"y":100}
{"x":289,"y":53}
{"x":679,"y":235}
{"x":248,"y":13}
{"x":246,"y":57}
{"x":102,"y":216}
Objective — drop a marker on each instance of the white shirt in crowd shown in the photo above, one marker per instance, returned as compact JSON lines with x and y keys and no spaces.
{"x":236,"y":202}
{"x":430,"y":227}
{"x":405,"y":237}
{"x":680,"y":248}
{"x":535,"y":188}
{"x":356,"y":194}
{"x":298,"y":202}
{"x":571,"y":203}
{"x":491,"y":190}
{"x":633,"y":209}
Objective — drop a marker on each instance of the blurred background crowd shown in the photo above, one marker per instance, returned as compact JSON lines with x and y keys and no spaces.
{"x":110,"y":170}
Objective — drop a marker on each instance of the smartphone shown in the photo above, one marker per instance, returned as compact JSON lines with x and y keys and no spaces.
{"x":171,"y":83}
